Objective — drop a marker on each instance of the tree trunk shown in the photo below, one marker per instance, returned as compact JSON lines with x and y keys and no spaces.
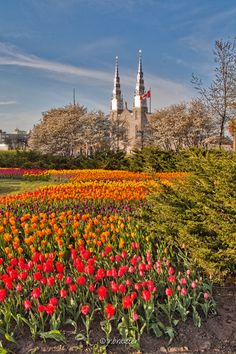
{"x":234,"y":140}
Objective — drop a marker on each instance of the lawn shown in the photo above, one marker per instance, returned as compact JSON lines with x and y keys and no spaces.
{"x":9,"y":186}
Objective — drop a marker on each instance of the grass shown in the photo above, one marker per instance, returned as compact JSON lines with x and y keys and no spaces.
{"x":9,"y":186}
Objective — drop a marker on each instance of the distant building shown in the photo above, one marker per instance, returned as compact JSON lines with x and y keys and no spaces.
{"x":17,"y":140}
{"x":133,"y":124}
{"x":214,"y":142}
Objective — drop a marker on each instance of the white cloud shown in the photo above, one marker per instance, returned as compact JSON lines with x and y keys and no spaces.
{"x":10,"y":55}
{"x":7,"y":103}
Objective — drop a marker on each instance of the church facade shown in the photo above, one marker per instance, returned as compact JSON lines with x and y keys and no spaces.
{"x":131,"y":124}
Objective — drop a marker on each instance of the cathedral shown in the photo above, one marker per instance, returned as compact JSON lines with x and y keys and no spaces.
{"x":132,"y":125}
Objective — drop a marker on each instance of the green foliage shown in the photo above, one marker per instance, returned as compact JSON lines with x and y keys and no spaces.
{"x":152,"y":159}
{"x":107,"y":159}
{"x":199,"y":214}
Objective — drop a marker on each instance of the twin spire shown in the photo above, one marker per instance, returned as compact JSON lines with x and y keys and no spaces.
{"x":117,"y":99}
{"x":140,"y":82}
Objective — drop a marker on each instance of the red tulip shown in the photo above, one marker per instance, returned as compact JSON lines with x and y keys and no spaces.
{"x":114,"y":286}
{"x":194,"y":284}
{"x":22,"y":275}
{"x":91,"y":288}
{"x":183,"y":281}
{"x":36,"y":292}
{"x":50,"y":309}
{"x":72,"y":288}
{"x":171,"y":271}
{"x":133,"y":295}
{"x":109,"y":311}
{"x":27,"y":304}
{"x":59,"y":276}
{"x":169,"y":292}
{"x":171,"y":279}
{"x":48,"y":266}
{"x":37,"y":276}
{"x":43,"y":281}
{"x":146,"y":295}
{"x":53,"y":301}
{"x":85,"y":309}
{"x":13,"y":262}
{"x":59,"y":267}
{"x":63,"y":293}
{"x":127,"y":302}
{"x":3,"y":294}
{"x":135,"y":316}
{"x":100,"y":274}
{"x":124,"y":254}
{"x":81,"y":280}
{"x":50,"y":281}
{"x":102,"y":290}
{"x":89,"y":269}
{"x":122,"y":288}
{"x":122,"y":270}
{"x":68,"y":280}
{"x":41,"y":308}
{"x":19,"y":288}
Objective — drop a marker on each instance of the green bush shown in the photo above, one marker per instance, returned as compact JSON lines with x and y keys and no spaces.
{"x":34,"y":160}
{"x":152,"y":159}
{"x":199,"y":214}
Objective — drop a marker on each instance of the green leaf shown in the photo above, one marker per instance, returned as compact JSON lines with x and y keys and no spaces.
{"x":175,"y":322}
{"x":80,"y":337}
{"x":106,"y":326}
{"x":196,"y":318}
{"x":34,"y":350}
{"x":9,"y":338}
{"x":171,"y":333}
{"x":158,"y":333}
{"x":160,"y":324}
{"x":54,"y":334}
{"x":73,"y":323}
{"x":2,"y":349}
{"x":123,"y":330}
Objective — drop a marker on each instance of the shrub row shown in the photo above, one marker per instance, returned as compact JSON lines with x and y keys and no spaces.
{"x":148,"y":160}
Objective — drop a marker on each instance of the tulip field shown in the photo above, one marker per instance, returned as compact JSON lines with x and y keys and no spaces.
{"x":72,"y":254}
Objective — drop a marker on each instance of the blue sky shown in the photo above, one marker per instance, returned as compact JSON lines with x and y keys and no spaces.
{"x":49,"y":47}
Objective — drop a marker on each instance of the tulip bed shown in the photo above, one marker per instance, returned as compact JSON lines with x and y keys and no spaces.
{"x":72,"y":253}
{"x":20,"y":173}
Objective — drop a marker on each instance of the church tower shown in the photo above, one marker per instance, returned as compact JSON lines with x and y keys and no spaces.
{"x":130,"y":125}
{"x":117,"y":106}
{"x":140,"y":108}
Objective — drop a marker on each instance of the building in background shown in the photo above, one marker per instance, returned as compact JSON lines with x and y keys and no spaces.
{"x":130,"y":126}
{"x":17,"y":140}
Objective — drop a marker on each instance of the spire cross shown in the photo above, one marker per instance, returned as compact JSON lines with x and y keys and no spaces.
{"x":116,"y":70}
{"x":140,"y":61}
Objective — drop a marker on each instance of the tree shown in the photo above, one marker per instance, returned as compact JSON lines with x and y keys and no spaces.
{"x":118,"y":134}
{"x":198,"y":215}
{"x":232,"y":129}
{"x":70,"y":130}
{"x":220,"y":95}
{"x":181,"y":125}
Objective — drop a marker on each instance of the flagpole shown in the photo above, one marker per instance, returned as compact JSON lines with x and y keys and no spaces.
{"x":150,"y":101}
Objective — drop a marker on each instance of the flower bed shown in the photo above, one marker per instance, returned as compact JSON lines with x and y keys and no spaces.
{"x":20,"y":173}
{"x":73,"y":253}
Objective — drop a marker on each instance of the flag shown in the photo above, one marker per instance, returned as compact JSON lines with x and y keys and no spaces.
{"x":146,"y":95}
